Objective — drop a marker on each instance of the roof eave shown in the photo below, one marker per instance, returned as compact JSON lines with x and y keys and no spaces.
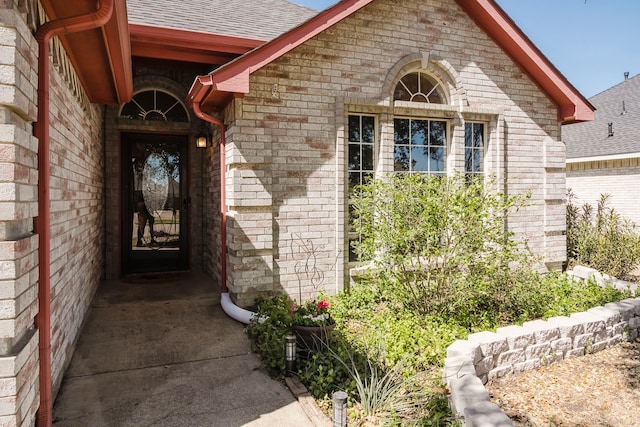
{"x":192,"y":46}
{"x":110,"y":64}
{"x":572,"y":105}
{"x":232,"y":79}
{"x":603,"y":157}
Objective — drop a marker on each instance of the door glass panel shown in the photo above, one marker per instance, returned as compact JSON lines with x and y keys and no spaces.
{"x":157,"y":191}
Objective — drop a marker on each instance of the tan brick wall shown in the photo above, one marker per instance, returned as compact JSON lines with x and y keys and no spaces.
{"x":618,"y":178}
{"x":77,"y":217}
{"x":77,"y":212}
{"x":287,"y":148}
{"x":211,"y":217}
{"x":18,"y":208}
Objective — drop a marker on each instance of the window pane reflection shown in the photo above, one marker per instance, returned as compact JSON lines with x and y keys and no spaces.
{"x":420,"y":145}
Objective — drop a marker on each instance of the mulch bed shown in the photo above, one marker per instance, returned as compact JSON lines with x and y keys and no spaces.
{"x":600,"y":389}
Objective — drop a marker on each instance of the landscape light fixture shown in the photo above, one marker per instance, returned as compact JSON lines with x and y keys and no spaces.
{"x":290,"y":352}
{"x":339,"y":399}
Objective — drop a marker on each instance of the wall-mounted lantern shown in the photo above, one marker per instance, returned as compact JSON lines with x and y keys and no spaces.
{"x":204,"y":137}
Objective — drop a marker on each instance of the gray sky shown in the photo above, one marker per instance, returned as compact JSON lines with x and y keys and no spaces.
{"x":592,"y":43}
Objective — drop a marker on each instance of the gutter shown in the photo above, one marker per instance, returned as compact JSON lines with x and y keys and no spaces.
{"x":605,"y":157}
{"x":43,"y":223}
{"x":232,"y":310}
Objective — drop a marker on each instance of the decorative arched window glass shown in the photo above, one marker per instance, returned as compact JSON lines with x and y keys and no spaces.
{"x":155,"y":105}
{"x":419,"y":87}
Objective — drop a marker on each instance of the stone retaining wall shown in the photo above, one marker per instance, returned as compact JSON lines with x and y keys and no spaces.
{"x":484,"y":356}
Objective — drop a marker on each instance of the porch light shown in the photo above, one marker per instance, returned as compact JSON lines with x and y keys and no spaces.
{"x":290,"y":353}
{"x":202,"y":140}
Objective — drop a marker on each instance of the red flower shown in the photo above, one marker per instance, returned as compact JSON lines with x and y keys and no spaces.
{"x":323,"y":305}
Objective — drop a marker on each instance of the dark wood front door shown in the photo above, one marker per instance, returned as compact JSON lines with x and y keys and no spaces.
{"x":155,"y":203}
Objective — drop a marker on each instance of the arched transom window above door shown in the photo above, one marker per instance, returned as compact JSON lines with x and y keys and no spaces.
{"x":155,"y":105}
{"x":419,"y":87}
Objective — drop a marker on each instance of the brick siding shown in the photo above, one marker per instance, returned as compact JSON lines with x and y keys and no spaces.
{"x":18,"y":208}
{"x":286,"y":146}
{"x":77,"y":217}
{"x":618,"y":178}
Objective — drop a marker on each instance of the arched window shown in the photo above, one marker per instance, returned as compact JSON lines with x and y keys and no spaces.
{"x":154,"y":104}
{"x":419,"y":87}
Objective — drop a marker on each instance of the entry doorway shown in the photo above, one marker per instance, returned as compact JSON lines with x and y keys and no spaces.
{"x":155,"y":203}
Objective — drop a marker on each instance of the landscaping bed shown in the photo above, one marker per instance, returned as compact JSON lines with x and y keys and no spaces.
{"x":448,"y":270}
{"x":599,"y":389}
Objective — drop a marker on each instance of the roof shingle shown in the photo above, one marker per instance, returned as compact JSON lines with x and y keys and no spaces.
{"x":620,"y":106}
{"x":255,"y":19}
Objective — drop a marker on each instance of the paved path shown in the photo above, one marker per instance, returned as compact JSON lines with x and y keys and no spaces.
{"x":164,"y":354}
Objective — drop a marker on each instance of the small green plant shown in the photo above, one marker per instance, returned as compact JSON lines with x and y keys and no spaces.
{"x":384,"y":393}
{"x":268,"y":330}
{"x":589,"y":346}
{"x":321,"y":373}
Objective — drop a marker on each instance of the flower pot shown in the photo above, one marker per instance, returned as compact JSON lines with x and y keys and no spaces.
{"x":312,"y":337}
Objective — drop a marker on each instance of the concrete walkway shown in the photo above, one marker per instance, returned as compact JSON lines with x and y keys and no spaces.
{"x":162,"y":353}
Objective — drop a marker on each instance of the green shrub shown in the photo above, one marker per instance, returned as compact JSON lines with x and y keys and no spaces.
{"x":441,"y":242}
{"x":565,"y":295}
{"x":601,"y":238}
{"x":387,"y":393}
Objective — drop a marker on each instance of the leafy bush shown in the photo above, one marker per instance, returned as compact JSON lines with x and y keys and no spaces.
{"x":601,"y":239}
{"x":442,"y":242}
{"x":565,"y":295}
{"x":387,"y":393}
{"x":370,"y":312}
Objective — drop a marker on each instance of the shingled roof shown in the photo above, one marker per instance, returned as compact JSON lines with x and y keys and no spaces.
{"x":254,"y":19}
{"x":618,"y":106}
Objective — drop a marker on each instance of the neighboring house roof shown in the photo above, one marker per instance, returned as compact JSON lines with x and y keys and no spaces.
{"x":251,"y":19}
{"x":214,"y":90}
{"x":618,"y":106}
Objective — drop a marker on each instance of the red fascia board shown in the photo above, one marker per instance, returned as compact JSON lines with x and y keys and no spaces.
{"x":173,"y":38}
{"x":109,"y":60}
{"x":572,"y":106}
{"x":119,"y":51}
{"x":234,"y":76}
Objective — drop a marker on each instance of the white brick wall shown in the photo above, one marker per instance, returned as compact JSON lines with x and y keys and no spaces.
{"x":289,"y":131}
{"x":619,"y":178}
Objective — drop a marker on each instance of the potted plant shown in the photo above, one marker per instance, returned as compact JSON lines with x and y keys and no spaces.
{"x":312,"y":323}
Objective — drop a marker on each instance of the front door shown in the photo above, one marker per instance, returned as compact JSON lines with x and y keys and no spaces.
{"x":155,"y":203}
